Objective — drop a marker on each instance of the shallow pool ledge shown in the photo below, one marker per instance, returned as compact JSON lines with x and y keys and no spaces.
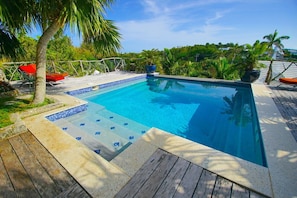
{"x":279,"y":143}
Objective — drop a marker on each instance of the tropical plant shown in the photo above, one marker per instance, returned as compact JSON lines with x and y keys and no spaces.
{"x":29,"y":46}
{"x":250,"y":56}
{"x":51,"y":16}
{"x":168,"y":60}
{"x":273,"y":43}
{"x":222,"y":69}
{"x":60,"y":48}
{"x":151,"y":57}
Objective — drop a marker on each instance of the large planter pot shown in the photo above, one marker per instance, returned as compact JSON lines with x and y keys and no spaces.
{"x":250,"y":76}
{"x":150,"y":68}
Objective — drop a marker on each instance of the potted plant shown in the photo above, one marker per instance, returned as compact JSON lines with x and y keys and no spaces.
{"x":149,"y":57}
{"x":249,"y":64}
{"x":150,"y":68}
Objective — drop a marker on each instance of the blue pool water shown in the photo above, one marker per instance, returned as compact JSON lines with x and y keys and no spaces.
{"x":217,"y":115}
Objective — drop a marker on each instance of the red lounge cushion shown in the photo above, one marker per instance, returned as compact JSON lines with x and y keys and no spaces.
{"x":54,"y":77}
{"x":288,"y":80}
{"x":29,"y":69}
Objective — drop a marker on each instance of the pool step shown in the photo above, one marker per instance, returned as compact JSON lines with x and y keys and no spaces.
{"x":106,"y":150}
{"x":105,"y":128}
{"x":108,"y":122}
{"x":95,"y":110}
{"x":124,"y":122}
{"x":109,"y":139}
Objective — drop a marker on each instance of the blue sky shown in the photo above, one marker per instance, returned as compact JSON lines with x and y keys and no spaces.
{"x":159,"y":24}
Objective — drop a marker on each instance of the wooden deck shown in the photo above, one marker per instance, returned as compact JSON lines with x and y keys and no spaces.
{"x":285,"y":99}
{"x":27,"y":169}
{"x":167,"y":175}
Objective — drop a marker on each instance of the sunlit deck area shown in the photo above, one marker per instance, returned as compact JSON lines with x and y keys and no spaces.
{"x":158,"y":164}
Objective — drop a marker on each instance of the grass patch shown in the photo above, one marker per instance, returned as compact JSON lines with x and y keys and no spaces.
{"x":10,"y":105}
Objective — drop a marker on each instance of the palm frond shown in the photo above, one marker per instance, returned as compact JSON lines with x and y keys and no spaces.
{"x":105,"y":37}
{"x":9,"y":44}
{"x":17,"y":14}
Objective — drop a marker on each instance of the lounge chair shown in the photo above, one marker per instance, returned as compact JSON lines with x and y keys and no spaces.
{"x":290,"y":81}
{"x":29,"y":72}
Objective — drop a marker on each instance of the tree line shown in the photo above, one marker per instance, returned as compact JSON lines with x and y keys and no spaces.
{"x":221,"y":61}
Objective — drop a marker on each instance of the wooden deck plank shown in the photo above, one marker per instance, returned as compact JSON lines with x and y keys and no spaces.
{"x":74,"y":190}
{"x":256,"y":195}
{"x":173,"y":179}
{"x":59,"y":175}
{"x":157,"y":177}
{"x":167,"y":175}
{"x":205,"y":184}
{"x":238,"y":191}
{"x":41,"y":180}
{"x":286,"y":102}
{"x":21,"y":181}
{"x":188,"y":184}
{"x":140,"y":177}
{"x":222,"y":188}
{"x":6,"y":188}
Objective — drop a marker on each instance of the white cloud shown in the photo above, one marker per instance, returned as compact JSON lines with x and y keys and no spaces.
{"x":171,"y":23}
{"x":167,"y":26}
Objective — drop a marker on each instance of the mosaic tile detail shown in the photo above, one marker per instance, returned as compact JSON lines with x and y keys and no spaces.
{"x":97,"y":151}
{"x":116,"y":144}
{"x":131,"y":137}
{"x":78,"y":138}
{"x":79,"y":91}
{"x":67,"y":112}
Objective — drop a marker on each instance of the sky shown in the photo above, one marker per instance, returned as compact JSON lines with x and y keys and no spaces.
{"x":159,"y":24}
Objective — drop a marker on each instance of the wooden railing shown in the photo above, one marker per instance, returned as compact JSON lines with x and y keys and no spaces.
{"x":73,"y":68}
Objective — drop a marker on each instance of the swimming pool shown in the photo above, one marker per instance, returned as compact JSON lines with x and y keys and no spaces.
{"x":218,"y":115}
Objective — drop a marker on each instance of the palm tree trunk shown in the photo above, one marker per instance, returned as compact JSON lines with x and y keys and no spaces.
{"x":269,"y":73}
{"x":40,"y":84}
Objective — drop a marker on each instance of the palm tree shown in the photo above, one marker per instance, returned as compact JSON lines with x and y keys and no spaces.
{"x":50,"y":15}
{"x":9,"y":44}
{"x":273,"y":42}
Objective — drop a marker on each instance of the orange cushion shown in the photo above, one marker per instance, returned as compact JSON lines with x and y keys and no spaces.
{"x":54,"y":77}
{"x":288,"y":80}
{"x":29,"y":69}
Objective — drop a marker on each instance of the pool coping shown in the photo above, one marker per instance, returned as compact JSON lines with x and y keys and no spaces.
{"x":106,"y":178}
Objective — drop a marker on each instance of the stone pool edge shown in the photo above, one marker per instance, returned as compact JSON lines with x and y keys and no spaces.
{"x":279,"y":144}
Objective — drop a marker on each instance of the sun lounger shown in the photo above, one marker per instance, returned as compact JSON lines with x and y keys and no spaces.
{"x":290,"y":81}
{"x":29,"y":72}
